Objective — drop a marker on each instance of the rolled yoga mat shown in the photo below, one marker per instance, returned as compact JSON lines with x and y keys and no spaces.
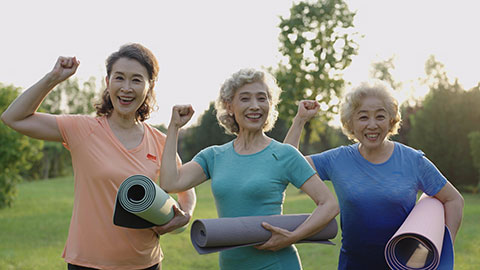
{"x":213,"y":235}
{"x":141,"y":203}
{"x":423,"y":241}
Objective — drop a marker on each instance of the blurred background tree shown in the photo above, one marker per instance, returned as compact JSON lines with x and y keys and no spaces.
{"x":17,"y":152}
{"x":318,"y":42}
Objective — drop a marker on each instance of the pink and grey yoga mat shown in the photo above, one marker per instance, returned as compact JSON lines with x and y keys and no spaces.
{"x":213,"y":235}
{"x":423,"y":241}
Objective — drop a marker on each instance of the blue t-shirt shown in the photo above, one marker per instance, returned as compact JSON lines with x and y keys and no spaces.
{"x":254,"y":185}
{"x":374,"y":199}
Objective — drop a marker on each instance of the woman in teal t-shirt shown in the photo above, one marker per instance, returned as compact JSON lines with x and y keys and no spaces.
{"x":250,"y":174}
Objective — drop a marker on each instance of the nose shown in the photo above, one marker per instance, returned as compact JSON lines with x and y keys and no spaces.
{"x":126,"y":86}
{"x":254,"y":105}
{"x":372,"y":124}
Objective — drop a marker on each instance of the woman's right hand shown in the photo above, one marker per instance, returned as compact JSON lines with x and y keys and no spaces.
{"x":181,"y":114}
{"x":63,"y":69}
{"x":307,"y":109}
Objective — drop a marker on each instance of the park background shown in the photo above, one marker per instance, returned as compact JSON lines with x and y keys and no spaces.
{"x":426,"y":50}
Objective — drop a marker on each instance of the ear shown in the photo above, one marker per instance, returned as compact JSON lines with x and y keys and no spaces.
{"x":228,"y":106}
{"x":107,"y":81}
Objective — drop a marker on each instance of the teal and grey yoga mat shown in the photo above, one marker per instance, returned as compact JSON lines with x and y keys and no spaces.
{"x":141,"y":203}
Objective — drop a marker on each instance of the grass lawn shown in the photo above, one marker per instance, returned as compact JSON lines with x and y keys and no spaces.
{"x":34,"y":230}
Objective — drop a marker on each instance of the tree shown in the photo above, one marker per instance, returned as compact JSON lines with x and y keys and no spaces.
{"x":205,"y":133}
{"x":17,"y":152}
{"x":441,"y":126}
{"x":318,"y":44}
{"x":474,"y":138}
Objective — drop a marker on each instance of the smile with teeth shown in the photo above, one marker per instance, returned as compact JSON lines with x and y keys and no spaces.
{"x":125,"y":100}
{"x":254,"y":116}
{"x":372,"y":136}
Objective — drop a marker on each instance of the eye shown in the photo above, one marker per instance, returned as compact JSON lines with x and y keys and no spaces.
{"x":262,"y":99}
{"x":244,"y":99}
{"x":137,"y":80}
{"x":118,"y":78}
{"x":380,"y":117}
{"x":363,"y":118}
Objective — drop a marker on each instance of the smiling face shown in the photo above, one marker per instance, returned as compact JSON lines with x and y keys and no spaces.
{"x":371,"y":122}
{"x":250,"y":106}
{"x":128,"y":85}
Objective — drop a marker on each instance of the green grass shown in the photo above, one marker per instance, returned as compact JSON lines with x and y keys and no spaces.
{"x":34,"y":230}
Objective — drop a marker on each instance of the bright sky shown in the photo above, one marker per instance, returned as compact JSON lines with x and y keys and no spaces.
{"x":200,"y":43}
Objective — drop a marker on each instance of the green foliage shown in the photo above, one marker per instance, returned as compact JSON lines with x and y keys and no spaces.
{"x":441,"y":126}
{"x":17,"y":152}
{"x":205,"y":133}
{"x":69,"y":97}
{"x":474,"y":138}
{"x":318,"y":43}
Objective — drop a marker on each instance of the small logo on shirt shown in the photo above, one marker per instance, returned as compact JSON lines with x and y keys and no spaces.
{"x":151,"y":157}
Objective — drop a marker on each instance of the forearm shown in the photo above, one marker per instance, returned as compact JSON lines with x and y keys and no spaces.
{"x":169,"y":170}
{"x":295,"y":131}
{"x":317,"y":221}
{"x":27,"y":103}
{"x":187,"y":201}
{"x":453,"y":215}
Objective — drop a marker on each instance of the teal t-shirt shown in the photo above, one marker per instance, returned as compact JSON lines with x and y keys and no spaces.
{"x":254,"y":185}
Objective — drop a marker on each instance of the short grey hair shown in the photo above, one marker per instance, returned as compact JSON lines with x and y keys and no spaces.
{"x":236,"y":81}
{"x":353,"y":100}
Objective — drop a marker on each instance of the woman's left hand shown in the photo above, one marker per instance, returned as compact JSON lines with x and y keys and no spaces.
{"x":179,"y":219}
{"x":280,"y":238}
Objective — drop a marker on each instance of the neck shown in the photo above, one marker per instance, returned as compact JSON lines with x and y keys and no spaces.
{"x":378,"y":154}
{"x":251,"y":142}
{"x":123,"y":122}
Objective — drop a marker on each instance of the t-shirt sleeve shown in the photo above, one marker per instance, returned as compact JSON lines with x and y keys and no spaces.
{"x":321,"y":161}
{"x":204,"y":158}
{"x":298,"y":170}
{"x":74,"y":128}
{"x":431,"y":179}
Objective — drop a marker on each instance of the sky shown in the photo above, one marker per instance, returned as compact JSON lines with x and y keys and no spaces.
{"x":200,"y":43}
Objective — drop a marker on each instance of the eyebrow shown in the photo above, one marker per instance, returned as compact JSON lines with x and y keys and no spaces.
{"x":250,"y":93}
{"x":365,"y":111}
{"x":134,"y":75}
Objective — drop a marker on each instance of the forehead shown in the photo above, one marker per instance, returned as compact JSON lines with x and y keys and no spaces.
{"x":371,"y":104}
{"x":252,"y":88}
{"x":129,"y":66}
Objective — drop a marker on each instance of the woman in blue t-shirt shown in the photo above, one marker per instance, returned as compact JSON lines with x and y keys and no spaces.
{"x":376,"y":180}
{"x":250,"y":174}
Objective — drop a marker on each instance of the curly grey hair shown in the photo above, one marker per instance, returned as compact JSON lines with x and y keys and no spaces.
{"x":236,"y":81}
{"x":353,"y":100}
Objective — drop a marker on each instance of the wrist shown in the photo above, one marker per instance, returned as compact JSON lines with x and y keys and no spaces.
{"x":51,"y":80}
{"x":300,"y":121}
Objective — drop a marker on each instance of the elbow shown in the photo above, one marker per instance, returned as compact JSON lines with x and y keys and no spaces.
{"x":335,"y":209}
{"x":4,"y":118}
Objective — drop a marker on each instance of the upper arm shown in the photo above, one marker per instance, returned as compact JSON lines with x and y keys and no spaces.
{"x":191,"y":174}
{"x":310,"y":161}
{"x":39,"y":126}
{"x":449,"y":193}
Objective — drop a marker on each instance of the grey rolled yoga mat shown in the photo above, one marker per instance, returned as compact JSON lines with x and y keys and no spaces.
{"x":141,"y":203}
{"x":213,"y":235}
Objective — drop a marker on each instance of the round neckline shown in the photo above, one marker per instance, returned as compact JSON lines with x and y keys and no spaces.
{"x":357,"y":152}
{"x":252,"y":154}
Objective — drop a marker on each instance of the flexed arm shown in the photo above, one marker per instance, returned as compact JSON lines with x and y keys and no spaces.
{"x":21,"y":115}
{"x":173,"y":178}
{"x":307,"y":109}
